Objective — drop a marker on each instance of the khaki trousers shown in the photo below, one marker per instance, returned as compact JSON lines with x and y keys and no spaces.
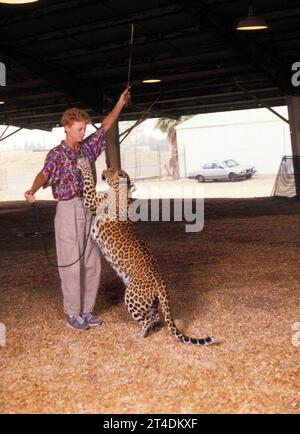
{"x":80,"y":281}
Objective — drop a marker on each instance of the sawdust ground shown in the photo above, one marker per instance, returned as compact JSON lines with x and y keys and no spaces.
{"x":238,"y":280}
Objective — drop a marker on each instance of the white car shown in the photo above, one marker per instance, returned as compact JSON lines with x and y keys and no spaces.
{"x":227,"y":169}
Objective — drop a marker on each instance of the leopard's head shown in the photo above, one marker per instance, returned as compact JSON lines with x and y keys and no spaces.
{"x":116,"y":177}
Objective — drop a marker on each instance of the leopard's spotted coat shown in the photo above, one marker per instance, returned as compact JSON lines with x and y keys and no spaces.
{"x":128,"y":254}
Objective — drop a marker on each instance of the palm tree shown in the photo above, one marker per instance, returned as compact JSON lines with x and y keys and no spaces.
{"x":166,"y":125}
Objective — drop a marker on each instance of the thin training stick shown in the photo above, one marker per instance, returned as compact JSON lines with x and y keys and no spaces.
{"x":130,"y":57}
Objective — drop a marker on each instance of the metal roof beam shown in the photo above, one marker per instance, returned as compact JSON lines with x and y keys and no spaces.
{"x":40,"y":108}
{"x":140,"y":42}
{"x":72,"y":87}
{"x":183,"y":109}
{"x":246,"y":45}
{"x":98,"y":24}
{"x":40,"y":10}
{"x":215,"y":95}
{"x":260,"y":101}
{"x":173,"y":76}
{"x":214,"y":50}
{"x":281,"y":14}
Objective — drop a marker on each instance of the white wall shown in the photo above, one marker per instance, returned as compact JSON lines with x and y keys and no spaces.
{"x":260,"y":143}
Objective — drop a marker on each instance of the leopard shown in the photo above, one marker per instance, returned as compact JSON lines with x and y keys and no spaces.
{"x":127,"y":253}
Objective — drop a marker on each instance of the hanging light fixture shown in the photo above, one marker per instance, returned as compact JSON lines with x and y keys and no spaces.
{"x":251,"y":22}
{"x":151,"y":80}
{"x":151,"y":76}
{"x":17,"y":2}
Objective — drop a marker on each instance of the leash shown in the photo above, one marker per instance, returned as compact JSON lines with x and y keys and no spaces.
{"x":39,"y":232}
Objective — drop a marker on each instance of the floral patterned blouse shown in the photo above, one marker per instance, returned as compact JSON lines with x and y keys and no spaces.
{"x":61,"y":170}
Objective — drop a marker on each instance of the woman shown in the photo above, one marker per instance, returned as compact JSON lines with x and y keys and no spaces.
{"x":79,"y":281}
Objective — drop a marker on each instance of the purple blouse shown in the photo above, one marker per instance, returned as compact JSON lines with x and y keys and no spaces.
{"x":61,"y":170}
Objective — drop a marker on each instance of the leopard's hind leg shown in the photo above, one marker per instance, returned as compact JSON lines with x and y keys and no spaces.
{"x":151,"y":322}
{"x":155,"y":317}
{"x":142,"y":309}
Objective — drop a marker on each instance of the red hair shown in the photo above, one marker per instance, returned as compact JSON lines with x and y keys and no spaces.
{"x":74,"y":115}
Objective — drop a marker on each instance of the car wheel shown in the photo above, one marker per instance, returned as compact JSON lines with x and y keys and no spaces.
{"x":232,"y":177}
{"x":200,"y":178}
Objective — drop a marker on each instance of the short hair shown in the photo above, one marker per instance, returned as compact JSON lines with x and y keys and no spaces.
{"x":74,"y":115}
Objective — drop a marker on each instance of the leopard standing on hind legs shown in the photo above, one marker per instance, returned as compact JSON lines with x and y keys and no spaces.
{"x":127,"y":253}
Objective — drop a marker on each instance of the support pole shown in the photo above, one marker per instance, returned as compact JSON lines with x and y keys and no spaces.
{"x":112,"y":152}
{"x":293,"y":103}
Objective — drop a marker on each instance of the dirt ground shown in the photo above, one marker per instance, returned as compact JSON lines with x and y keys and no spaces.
{"x":237,"y":280}
{"x":18,"y":169}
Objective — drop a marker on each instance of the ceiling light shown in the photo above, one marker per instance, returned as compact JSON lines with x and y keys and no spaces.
{"x":2,"y":102}
{"x":17,"y":2}
{"x":151,"y":80}
{"x":251,"y":22}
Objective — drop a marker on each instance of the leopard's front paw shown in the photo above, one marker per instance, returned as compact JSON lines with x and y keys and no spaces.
{"x":83,"y":164}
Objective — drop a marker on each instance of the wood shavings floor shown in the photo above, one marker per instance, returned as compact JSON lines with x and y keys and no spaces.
{"x":238,"y":280}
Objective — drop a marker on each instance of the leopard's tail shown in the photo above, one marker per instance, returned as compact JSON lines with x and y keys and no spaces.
{"x":166,"y":309}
